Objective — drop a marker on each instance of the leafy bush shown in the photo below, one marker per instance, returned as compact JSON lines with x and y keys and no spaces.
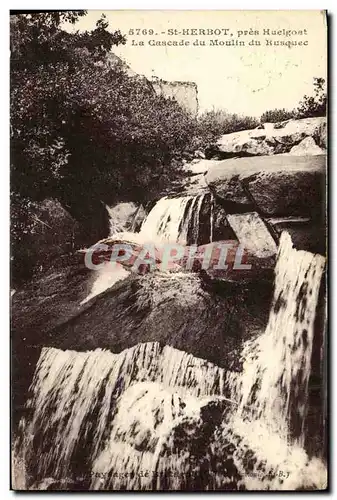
{"x":277,"y":115}
{"x":80,"y":125}
{"x":213,"y":124}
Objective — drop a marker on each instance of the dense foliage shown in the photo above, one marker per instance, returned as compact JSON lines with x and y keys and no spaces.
{"x":82,"y":131}
{"x":212,"y":124}
{"x":277,"y":115}
{"x":80,"y":124}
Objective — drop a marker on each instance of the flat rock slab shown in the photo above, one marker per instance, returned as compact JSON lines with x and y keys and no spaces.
{"x":273,"y":138}
{"x":279,"y":185}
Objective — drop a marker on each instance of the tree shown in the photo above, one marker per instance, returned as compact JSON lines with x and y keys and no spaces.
{"x":314,"y":105}
{"x":308,"y":107}
{"x":82,"y":130}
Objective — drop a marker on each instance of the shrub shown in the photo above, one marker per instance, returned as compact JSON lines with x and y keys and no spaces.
{"x":277,"y":115}
{"x":212,"y":124}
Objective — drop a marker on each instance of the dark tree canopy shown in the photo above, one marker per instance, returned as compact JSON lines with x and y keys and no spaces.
{"x":78,"y":122}
{"x":83,"y":131}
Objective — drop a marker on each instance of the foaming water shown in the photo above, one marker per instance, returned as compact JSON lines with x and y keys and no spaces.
{"x":109,"y":274}
{"x":120,"y":215}
{"x":272,"y":391}
{"x":174,"y":220}
{"x":274,"y":385}
{"x":154,"y":417}
{"x":75,"y":397}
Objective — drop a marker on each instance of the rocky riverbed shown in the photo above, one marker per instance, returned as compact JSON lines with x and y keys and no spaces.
{"x":168,"y":376}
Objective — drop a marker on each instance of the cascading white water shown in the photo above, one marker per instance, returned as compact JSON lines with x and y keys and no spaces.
{"x":171,"y":219}
{"x":272,"y":391}
{"x":120,"y":216}
{"x":272,"y":384}
{"x":212,"y":219}
{"x":107,"y":276}
{"x":136,"y":413}
{"x":174,"y":220}
{"x":70,"y":387}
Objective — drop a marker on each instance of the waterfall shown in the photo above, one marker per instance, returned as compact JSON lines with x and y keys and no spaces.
{"x":174,"y":219}
{"x":76,"y":395}
{"x":272,"y":391}
{"x":275,"y":387}
{"x":154,"y":417}
{"x":212,"y":219}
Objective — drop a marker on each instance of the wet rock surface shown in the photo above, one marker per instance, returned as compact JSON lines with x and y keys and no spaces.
{"x":178,"y":310}
{"x":306,"y":234}
{"x":143,"y":371}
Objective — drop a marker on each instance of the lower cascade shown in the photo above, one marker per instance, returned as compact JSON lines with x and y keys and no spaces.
{"x":154,"y":417}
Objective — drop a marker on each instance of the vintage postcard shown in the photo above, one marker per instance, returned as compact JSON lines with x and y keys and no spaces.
{"x":168,"y":250}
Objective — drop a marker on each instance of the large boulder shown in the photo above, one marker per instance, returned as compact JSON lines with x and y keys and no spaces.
{"x":292,"y":132}
{"x":279,"y":185}
{"x":321,"y":135}
{"x":228,"y":187}
{"x":272,"y":139}
{"x":305,"y":234}
{"x":307,"y":147}
{"x":244,"y":143}
{"x":52,"y":233}
{"x":198,"y":166}
{"x":172,"y":309}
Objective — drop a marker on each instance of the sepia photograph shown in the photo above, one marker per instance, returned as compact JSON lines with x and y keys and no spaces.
{"x":168,"y":250}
